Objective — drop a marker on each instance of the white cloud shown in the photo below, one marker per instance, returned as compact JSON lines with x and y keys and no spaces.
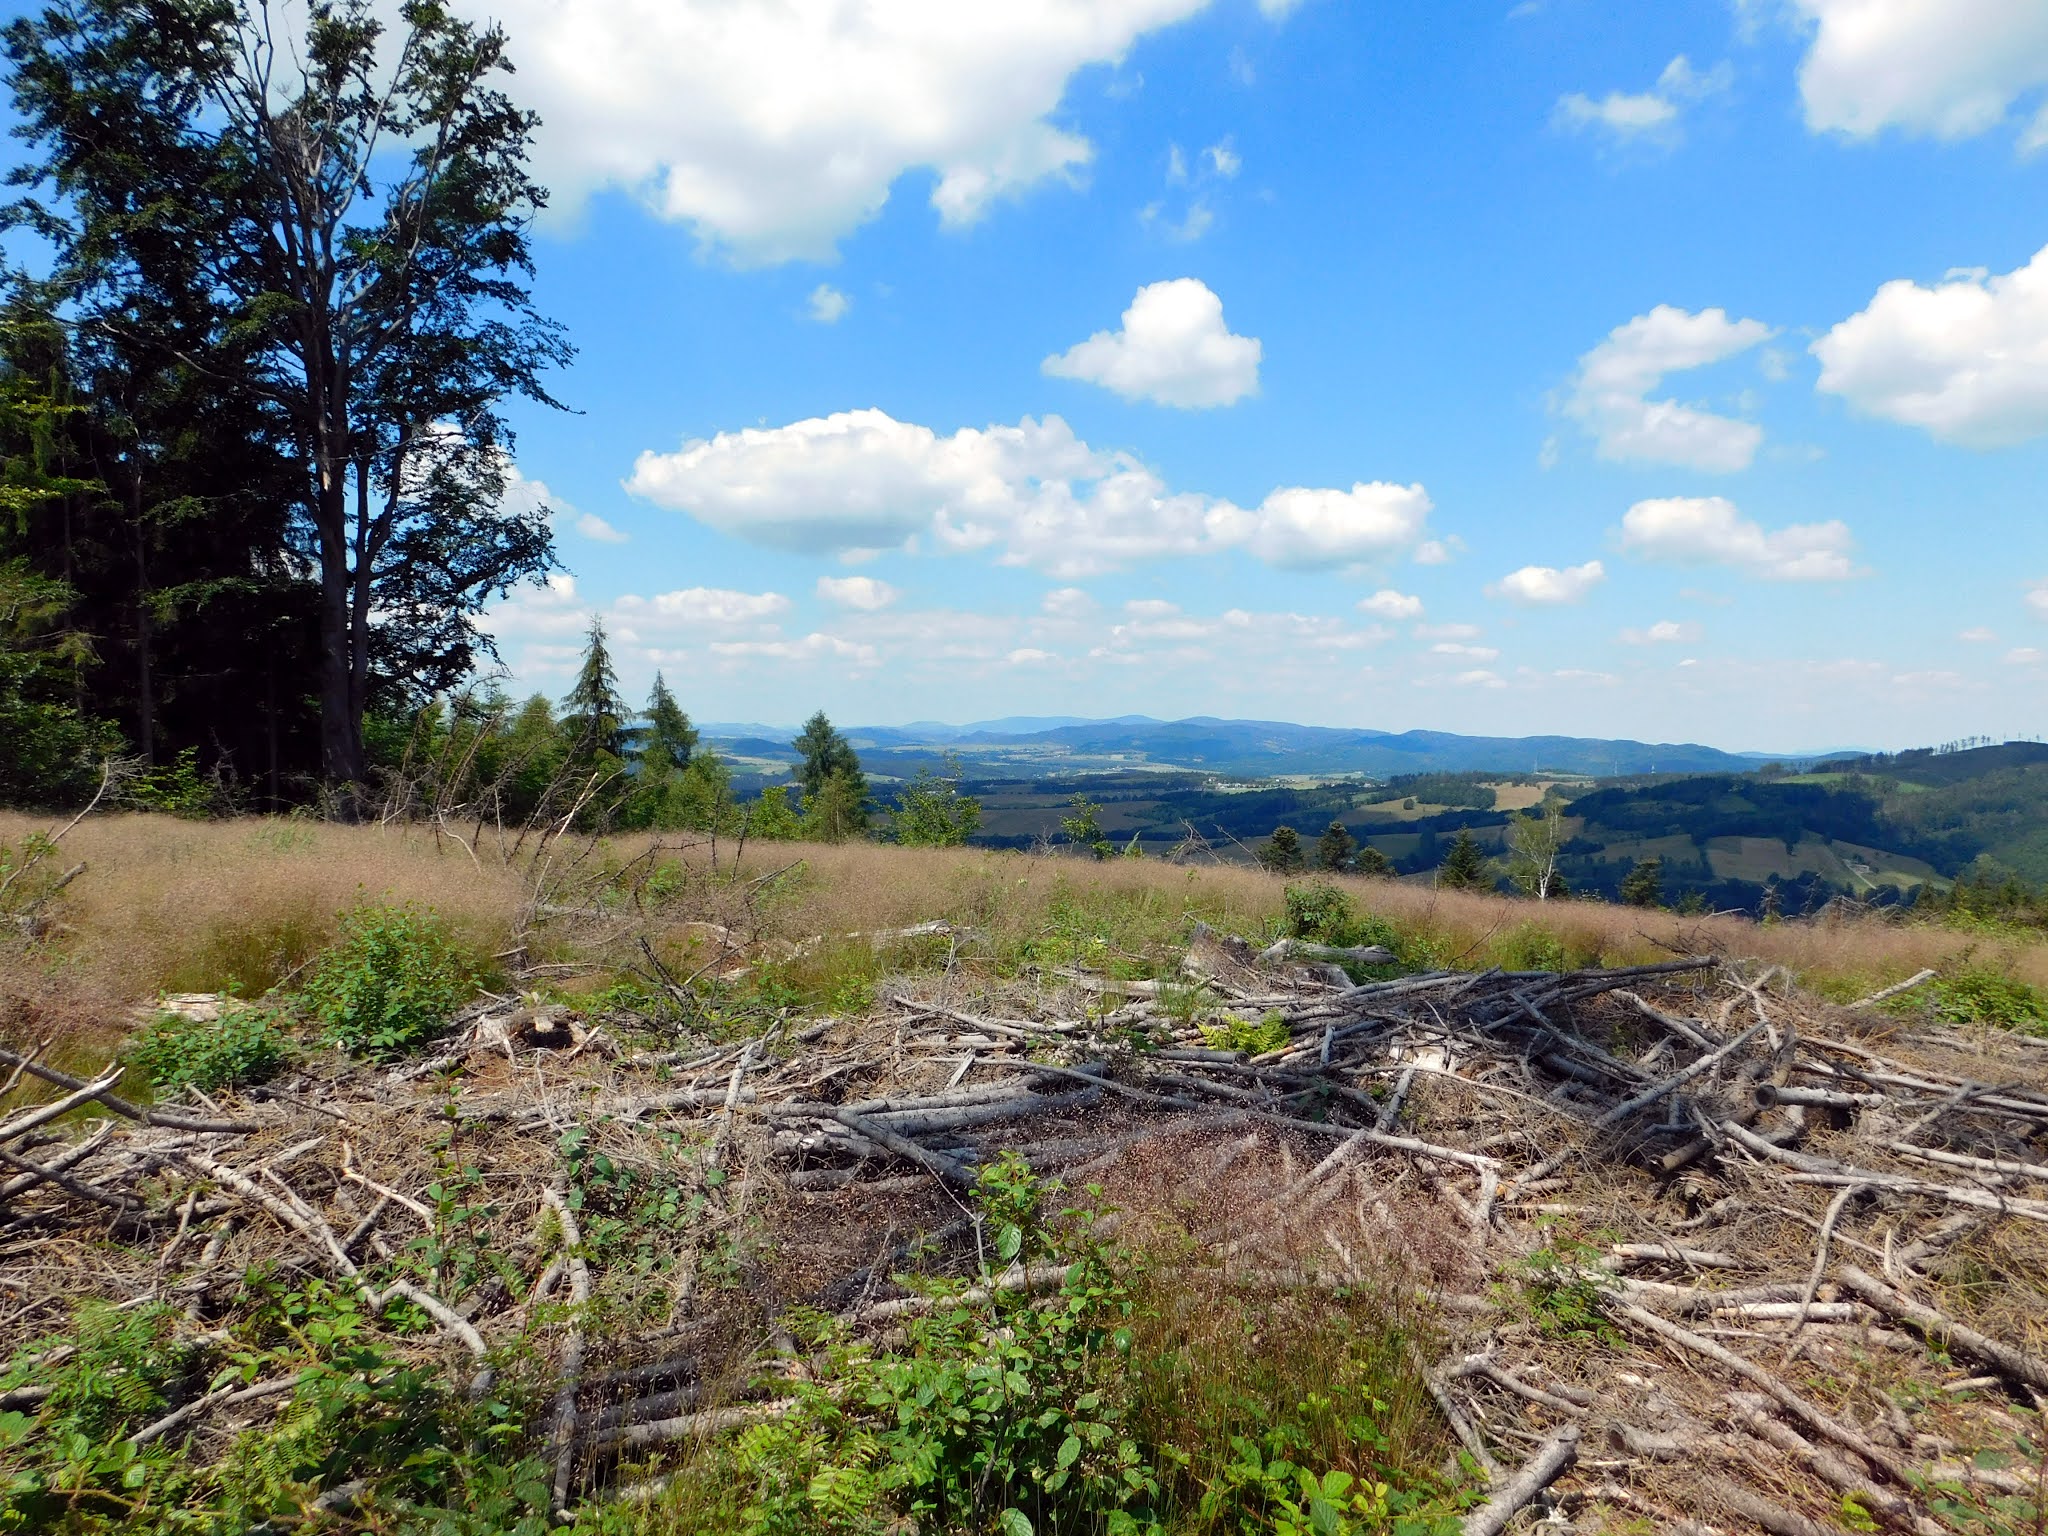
{"x":1479,"y":678}
{"x":1439,"y":551}
{"x":2025,"y":656}
{"x":2037,"y":597}
{"x":591,"y":526}
{"x":1032,"y":494}
{"x":1029,"y":655}
{"x":862,"y":592}
{"x":1474,"y":652}
{"x":1174,"y":349}
{"x":1447,"y":631}
{"x":1224,"y":159}
{"x":828,"y":304}
{"x":776,"y":129}
{"x":1067,"y":603}
{"x":697,"y":607}
{"x":1610,"y":394}
{"x":1663,"y":632}
{"x":1546,"y":584}
{"x":1981,"y":635}
{"x":1709,"y":530}
{"x":812,"y":647}
{"x":1651,"y":114}
{"x":1389,"y":604}
{"x":1306,"y":529}
{"x":1966,"y":360}
{"x":1949,"y":68}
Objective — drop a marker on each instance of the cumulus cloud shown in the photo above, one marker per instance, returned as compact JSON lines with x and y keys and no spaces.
{"x":695,"y":608}
{"x":1949,"y":68}
{"x":2037,"y":597}
{"x":1067,"y":603}
{"x":1965,"y":360}
{"x":1708,"y":530}
{"x":591,"y":526}
{"x":1473,"y":652}
{"x":1479,"y":677}
{"x":776,"y":129}
{"x":812,"y":647}
{"x":1031,"y":495}
{"x":1447,"y":631}
{"x":1610,"y":396}
{"x":1663,"y":632}
{"x":1980,"y":635}
{"x":1389,"y":604}
{"x":1174,"y":349}
{"x":1439,"y":551}
{"x":1645,"y":115}
{"x":861,"y":592}
{"x":1546,"y":584}
{"x":2025,"y":656}
{"x":828,"y":304}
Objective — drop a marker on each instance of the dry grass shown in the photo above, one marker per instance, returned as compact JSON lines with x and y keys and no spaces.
{"x":169,"y":906}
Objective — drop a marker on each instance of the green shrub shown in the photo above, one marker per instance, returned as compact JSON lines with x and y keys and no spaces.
{"x":1979,"y":994}
{"x":243,"y":1045}
{"x":390,"y":982}
{"x":1321,"y":912}
{"x":1530,"y":947}
{"x":1232,"y":1033}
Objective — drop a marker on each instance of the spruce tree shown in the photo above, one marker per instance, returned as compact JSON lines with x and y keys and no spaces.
{"x":1336,"y":848}
{"x":826,"y":755}
{"x":1643,"y":885}
{"x":593,"y":715}
{"x":1370,"y":861}
{"x":1283,"y":852}
{"x":668,"y":738}
{"x":1464,"y":867}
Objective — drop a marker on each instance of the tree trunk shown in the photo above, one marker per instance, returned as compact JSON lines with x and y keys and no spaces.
{"x":145,"y":681}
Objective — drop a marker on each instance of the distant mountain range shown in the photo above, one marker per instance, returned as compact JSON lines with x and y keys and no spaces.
{"x":1036,"y":746}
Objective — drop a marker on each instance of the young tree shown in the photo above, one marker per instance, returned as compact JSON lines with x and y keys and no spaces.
{"x":1336,"y":848}
{"x":1283,"y":852}
{"x":1643,"y":885}
{"x":1370,"y":861}
{"x":932,"y":813}
{"x":667,"y":739}
{"x":839,"y":809}
{"x":825,"y":755}
{"x":338,"y":221}
{"x":772,"y":818}
{"x":1535,"y":841}
{"x":1083,"y":827}
{"x":1465,"y":867}
{"x":593,"y":715}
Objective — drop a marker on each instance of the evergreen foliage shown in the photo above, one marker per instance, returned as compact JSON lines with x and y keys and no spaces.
{"x":1370,"y":861}
{"x":1465,"y":867}
{"x":1336,"y":848}
{"x":1643,"y":885}
{"x":1283,"y":853}
{"x":825,"y":755}
{"x":311,"y":250}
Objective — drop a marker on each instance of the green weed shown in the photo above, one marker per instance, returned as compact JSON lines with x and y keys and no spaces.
{"x":243,"y":1045}
{"x":1980,"y":994}
{"x":391,"y":982}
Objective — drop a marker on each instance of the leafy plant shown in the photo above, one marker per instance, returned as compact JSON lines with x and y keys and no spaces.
{"x":1561,"y":1292}
{"x":243,"y":1044}
{"x":1235,"y":1034}
{"x":391,"y":982}
{"x":1979,"y":994}
{"x":1320,"y":911}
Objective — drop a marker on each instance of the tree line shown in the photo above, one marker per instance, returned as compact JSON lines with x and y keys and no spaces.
{"x":267,"y":301}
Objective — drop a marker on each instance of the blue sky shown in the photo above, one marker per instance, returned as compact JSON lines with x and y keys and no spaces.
{"x":1670,"y":371}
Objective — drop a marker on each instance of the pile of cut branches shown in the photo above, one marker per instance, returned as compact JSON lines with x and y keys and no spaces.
{"x":1706,"y":1251}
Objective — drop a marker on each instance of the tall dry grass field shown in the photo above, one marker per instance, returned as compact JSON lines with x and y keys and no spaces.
{"x":169,"y":906}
